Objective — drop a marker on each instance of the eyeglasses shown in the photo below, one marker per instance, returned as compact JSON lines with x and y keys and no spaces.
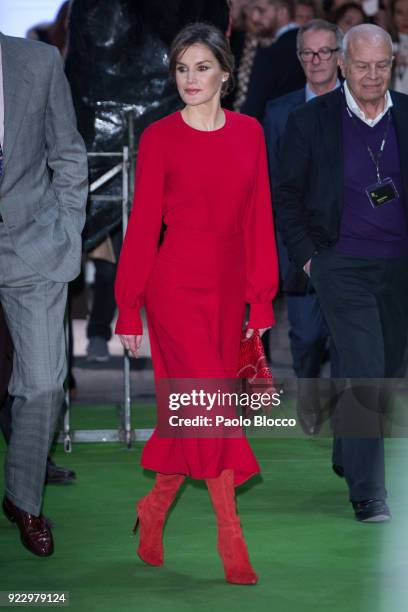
{"x":323,"y":54}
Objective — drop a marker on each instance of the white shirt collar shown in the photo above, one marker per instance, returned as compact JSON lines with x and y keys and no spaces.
{"x":353,"y":106}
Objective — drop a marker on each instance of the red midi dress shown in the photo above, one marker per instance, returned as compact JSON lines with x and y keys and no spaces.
{"x":211,"y":190}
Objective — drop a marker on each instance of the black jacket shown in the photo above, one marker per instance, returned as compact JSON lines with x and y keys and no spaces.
{"x":309,"y":196}
{"x":276,"y":72}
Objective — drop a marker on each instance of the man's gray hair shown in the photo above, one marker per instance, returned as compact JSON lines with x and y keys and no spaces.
{"x":317,"y":25}
{"x":365,"y":31}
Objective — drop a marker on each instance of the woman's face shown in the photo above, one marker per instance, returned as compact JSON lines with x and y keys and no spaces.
{"x":401,"y":16}
{"x":199,"y":76}
{"x":303,"y":14}
{"x":351,"y":18}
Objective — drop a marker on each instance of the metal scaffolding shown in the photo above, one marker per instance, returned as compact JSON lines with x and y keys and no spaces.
{"x":123,"y":162}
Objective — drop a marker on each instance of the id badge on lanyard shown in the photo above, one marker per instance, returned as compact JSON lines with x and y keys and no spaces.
{"x":381,"y":193}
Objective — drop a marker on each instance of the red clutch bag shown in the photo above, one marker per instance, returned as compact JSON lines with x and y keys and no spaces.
{"x":253,"y":365}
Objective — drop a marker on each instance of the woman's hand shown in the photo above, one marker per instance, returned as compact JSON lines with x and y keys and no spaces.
{"x":250,"y":332}
{"x":131,"y":343}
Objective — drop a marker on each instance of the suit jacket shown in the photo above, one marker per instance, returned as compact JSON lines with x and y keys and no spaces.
{"x":295,"y":281}
{"x":276,"y":115}
{"x":44,"y":184}
{"x":309,"y":196}
{"x":276,"y":71}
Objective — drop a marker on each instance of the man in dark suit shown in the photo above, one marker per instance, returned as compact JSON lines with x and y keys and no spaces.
{"x":318,"y":46}
{"x":342,"y":203}
{"x":276,"y":70}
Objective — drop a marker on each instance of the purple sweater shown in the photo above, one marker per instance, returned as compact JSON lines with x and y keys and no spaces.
{"x":366,"y":231}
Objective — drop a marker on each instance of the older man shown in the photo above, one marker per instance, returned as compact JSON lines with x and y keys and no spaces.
{"x":343,"y":209}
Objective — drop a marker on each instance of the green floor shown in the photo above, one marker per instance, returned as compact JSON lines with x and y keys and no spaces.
{"x":309,"y":552}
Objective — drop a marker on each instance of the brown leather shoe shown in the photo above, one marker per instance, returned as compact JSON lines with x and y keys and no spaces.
{"x":35,"y":531}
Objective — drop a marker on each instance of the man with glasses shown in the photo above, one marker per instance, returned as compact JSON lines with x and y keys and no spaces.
{"x":318,"y":45}
{"x":342,"y":203}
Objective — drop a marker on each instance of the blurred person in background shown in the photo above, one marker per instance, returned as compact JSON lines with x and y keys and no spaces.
{"x":55,"y":33}
{"x":244,"y":45}
{"x":348,"y":15}
{"x":276,"y":69}
{"x":331,"y":5}
{"x":238,"y":14}
{"x":243,"y":41}
{"x":305,"y":11}
{"x":381,"y":17}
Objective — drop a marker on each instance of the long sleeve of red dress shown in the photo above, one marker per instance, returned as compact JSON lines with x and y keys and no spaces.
{"x":142,"y":236}
{"x":262,"y":271}
{"x":200,"y":181}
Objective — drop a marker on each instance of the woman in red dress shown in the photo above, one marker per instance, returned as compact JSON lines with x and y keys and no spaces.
{"x":203,"y":171}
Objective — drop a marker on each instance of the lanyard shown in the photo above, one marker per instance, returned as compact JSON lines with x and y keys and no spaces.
{"x":375,"y":159}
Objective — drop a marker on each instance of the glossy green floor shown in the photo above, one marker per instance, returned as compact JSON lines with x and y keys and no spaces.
{"x":304,"y":543}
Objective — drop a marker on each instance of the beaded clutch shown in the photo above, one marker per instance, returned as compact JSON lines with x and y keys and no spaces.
{"x":253,"y":365}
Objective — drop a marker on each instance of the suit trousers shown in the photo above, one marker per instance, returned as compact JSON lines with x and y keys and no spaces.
{"x":365,"y":304}
{"x":308,"y":333}
{"x":6,"y":355}
{"x":34,"y":310}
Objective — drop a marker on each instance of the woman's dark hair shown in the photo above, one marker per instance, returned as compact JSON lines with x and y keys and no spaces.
{"x":58,"y":31}
{"x":391,"y":6}
{"x":392,"y":29}
{"x":210,"y":36}
{"x":338,"y":14}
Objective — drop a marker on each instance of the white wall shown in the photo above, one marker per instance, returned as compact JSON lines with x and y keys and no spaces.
{"x":18,"y":16}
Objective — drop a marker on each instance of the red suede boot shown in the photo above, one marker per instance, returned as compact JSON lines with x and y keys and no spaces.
{"x":151,"y":514}
{"x":231,"y":544}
